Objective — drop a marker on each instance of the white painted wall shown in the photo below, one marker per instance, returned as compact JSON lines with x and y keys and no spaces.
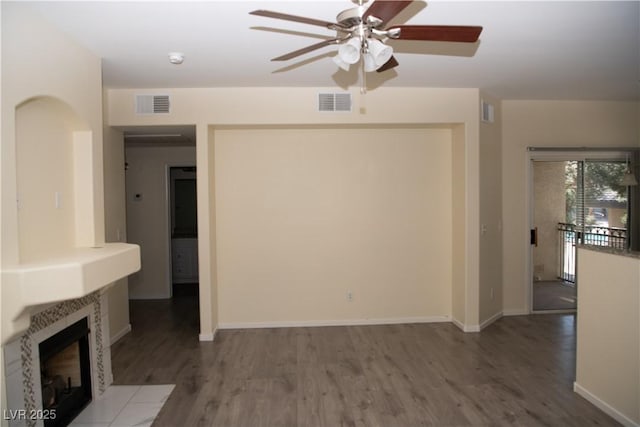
{"x":547,"y":124}
{"x":148,"y":218}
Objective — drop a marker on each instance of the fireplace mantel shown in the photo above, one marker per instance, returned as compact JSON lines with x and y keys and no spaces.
{"x":69,"y":275}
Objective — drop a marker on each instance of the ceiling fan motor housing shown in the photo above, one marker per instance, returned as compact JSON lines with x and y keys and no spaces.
{"x":351,"y":17}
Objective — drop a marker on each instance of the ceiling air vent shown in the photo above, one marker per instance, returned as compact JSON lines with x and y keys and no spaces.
{"x":334,"y":102}
{"x":487,"y":112}
{"x":152,"y":104}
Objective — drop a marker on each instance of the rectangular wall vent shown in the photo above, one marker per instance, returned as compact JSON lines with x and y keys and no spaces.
{"x":153,"y":104}
{"x":334,"y":102}
{"x":487,"y":112}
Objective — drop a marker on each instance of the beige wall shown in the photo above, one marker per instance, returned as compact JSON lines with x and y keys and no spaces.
{"x":458,"y":233}
{"x":38,"y":61}
{"x":62,"y":80}
{"x":115,"y":226}
{"x":215,"y":109}
{"x":548,"y":124}
{"x":608,"y":349}
{"x":209,"y":315}
{"x":307,"y":215}
{"x":550,"y":204}
{"x":45,"y":172}
{"x":148,"y":218}
{"x":490,"y":290}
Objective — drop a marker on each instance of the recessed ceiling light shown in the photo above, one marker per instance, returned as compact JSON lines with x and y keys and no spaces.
{"x":176,"y":58}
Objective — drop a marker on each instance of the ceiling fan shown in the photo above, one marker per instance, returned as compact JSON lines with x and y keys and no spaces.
{"x":362,"y":31}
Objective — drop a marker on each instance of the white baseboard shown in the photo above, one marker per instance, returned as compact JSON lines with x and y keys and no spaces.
{"x":476,"y":328}
{"x":604,"y":406}
{"x":457,"y":323}
{"x":124,"y":331}
{"x":490,"y":320}
{"x":515,"y":312}
{"x":346,"y":322}
{"x":465,"y":328}
{"x":208,"y":337}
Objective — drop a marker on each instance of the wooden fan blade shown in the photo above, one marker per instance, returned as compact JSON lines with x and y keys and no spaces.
{"x":440,"y":33}
{"x":302,"y":19}
{"x":391,"y":63}
{"x":385,"y":9}
{"x":307,"y":49}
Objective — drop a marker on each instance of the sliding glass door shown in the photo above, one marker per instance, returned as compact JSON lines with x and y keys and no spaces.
{"x":597,"y":210}
{"x":575,"y":202}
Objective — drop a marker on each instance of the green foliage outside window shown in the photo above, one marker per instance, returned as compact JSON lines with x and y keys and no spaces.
{"x":601,"y":182}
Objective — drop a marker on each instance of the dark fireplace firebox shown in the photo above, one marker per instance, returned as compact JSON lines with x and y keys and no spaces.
{"x":65,"y":373}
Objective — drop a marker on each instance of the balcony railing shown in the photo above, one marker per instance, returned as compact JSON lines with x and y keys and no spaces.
{"x":570,"y":234}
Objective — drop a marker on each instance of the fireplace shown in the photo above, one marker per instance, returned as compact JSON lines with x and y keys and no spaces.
{"x":25,"y":361}
{"x":65,"y":373}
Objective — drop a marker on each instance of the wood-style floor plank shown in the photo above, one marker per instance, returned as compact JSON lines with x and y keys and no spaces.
{"x":518,"y":371}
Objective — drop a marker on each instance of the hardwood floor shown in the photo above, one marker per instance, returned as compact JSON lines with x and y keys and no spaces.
{"x":554,"y":295}
{"x":518,"y":371}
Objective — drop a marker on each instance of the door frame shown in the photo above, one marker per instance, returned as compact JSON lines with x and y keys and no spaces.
{"x":550,"y":154}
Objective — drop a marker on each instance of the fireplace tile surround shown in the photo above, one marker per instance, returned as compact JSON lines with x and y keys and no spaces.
{"x":22,"y":362}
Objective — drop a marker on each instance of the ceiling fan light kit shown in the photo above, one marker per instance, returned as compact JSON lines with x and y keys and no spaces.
{"x":376,"y":53}
{"x":350,"y":51}
{"x":362,"y":33}
{"x":340,"y":63}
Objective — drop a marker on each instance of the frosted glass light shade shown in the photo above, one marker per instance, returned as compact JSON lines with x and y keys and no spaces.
{"x":370,"y":63}
{"x":340,"y":63}
{"x":380,"y":52}
{"x":350,"y":51}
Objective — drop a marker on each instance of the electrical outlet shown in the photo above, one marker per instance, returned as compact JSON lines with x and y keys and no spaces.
{"x":349,"y":296}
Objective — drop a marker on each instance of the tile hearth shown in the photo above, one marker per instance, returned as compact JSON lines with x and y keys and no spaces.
{"x":125,"y":406}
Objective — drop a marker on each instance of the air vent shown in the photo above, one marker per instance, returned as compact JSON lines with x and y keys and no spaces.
{"x":334,"y":102}
{"x":487,"y":112}
{"x":152,"y":104}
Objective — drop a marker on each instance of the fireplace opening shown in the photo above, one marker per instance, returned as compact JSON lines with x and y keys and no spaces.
{"x":65,"y":373}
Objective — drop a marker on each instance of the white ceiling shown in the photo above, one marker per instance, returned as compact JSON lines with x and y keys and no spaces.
{"x":527,"y":50}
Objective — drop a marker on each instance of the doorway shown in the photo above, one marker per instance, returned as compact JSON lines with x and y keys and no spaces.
{"x":184,"y":230}
{"x":575,"y":201}
{"x":550,"y":291}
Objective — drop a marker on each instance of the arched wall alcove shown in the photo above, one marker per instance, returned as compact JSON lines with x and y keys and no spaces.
{"x":53,"y":178}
